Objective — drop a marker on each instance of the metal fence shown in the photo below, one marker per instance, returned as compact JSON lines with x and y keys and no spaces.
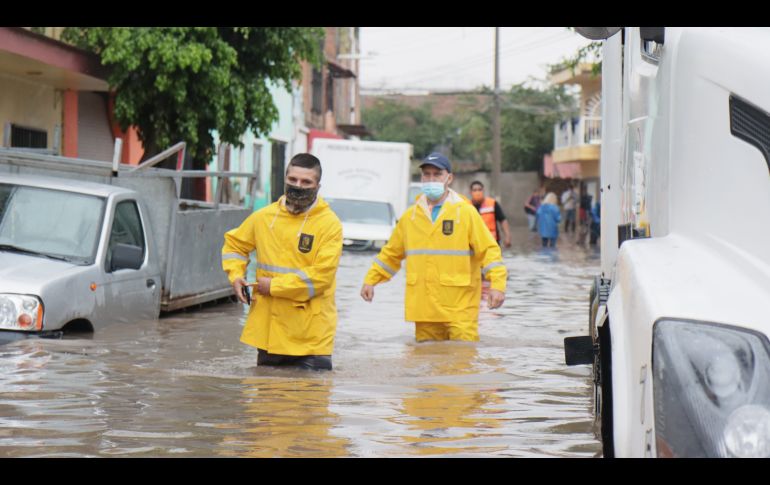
{"x":586,"y":130}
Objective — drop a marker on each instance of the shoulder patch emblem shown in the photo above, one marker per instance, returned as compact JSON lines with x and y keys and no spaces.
{"x":305,"y":242}
{"x":448,"y":227}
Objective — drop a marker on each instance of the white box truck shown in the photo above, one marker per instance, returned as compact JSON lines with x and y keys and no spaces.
{"x":367,"y":185}
{"x":678,"y":317}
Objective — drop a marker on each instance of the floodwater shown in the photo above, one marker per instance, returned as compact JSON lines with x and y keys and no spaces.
{"x":184,"y":386}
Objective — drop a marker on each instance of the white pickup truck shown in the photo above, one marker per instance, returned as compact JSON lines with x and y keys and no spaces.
{"x":84,"y":243}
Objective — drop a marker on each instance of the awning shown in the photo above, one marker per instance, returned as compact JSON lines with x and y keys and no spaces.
{"x":38,"y":58}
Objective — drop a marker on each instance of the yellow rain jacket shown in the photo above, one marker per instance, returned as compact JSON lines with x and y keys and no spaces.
{"x":300,"y":253}
{"x":445,"y":261}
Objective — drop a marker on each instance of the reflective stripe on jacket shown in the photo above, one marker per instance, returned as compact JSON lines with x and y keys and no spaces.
{"x":445,"y":261}
{"x":301,"y":254}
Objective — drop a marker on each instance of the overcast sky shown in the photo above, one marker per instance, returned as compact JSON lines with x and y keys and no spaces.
{"x":459,"y":58}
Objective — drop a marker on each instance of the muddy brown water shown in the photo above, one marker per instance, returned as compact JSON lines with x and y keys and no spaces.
{"x":184,"y":386}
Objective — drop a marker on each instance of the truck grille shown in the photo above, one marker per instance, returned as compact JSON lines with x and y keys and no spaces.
{"x":751,"y":125}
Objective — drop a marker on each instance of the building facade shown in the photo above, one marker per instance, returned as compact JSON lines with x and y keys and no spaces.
{"x":325,"y":103}
{"x":54,"y":99}
{"x":577,"y":141}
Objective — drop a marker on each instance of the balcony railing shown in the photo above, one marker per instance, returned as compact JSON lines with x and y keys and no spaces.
{"x":586,"y":130}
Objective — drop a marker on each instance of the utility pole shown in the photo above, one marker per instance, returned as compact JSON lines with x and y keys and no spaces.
{"x":353,"y":67}
{"x":496,"y":152}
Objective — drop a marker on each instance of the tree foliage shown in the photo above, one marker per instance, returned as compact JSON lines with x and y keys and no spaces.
{"x":590,"y":53}
{"x":180,"y":83}
{"x":527,"y":117}
{"x":393,"y":121}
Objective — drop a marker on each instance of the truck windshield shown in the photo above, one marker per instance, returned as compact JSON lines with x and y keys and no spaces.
{"x":362,"y":211}
{"x":50,"y":223}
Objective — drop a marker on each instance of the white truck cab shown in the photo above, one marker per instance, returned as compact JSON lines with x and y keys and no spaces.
{"x":678,"y":317}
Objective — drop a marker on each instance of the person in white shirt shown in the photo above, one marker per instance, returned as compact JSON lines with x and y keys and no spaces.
{"x":569,"y":203}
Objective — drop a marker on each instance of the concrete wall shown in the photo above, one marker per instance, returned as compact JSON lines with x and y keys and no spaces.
{"x":31,"y":105}
{"x":515,"y":187}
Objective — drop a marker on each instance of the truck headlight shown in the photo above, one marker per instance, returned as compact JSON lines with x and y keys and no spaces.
{"x":20,"y":312}
{"x":380,"y":244}
{"x":711,"y":388}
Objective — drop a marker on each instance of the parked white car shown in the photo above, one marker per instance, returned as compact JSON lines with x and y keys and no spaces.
{"x":366,"y":224}
{"x":415,"y":189}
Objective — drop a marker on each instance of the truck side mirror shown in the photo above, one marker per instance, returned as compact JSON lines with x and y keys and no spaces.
{"x":653,"y":34}
{"x":597,"y":33}
{"x":126,"y":256}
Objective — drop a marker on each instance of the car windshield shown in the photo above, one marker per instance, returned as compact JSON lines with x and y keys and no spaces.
{"x":362,"y":211}
{"x":50,"y":223}
{"x":414,"y":191}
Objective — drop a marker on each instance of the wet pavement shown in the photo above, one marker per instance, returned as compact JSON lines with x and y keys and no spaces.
{"x":184,"y":386}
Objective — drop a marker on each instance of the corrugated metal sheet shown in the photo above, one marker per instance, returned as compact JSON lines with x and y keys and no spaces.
{"x":95,"y":140}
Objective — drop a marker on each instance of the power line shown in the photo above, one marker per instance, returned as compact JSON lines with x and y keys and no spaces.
{"x":478,"y":61}
{"x":431,"y":38}
{"x":476,"y":58}
{"x":486,"y":103}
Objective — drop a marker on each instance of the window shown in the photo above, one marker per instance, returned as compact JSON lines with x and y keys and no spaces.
{"x":126,"y":229}
{"x":21,"y":137}
{"x":330,"y":94}
{"x":51,"y":222}
{"x":361,"y":211}
{"x":256,"y":166}
{"x":278,"y":169}
{"x":317,"y":91}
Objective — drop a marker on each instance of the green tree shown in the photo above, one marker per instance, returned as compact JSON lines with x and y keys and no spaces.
{"x":528,"y":115}
{"x":180,"y":83}
{"x":392,"y":121}
{"x":590,"y":53}
{"x":527,"y":118}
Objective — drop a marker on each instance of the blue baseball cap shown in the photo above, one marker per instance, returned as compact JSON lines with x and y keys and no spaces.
{"x":437,"y":160}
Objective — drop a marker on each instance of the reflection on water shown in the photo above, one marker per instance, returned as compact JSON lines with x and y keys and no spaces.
{"x":185,"y":386}
{"x":449,"y":417}
{"x":285,"y":418}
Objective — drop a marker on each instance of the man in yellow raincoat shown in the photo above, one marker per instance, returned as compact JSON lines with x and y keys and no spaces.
{"x":448,"y":249}
{"x":298,"y":241}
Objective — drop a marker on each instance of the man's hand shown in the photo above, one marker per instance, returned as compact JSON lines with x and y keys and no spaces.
{"x":263,"y":286}
{"x":495,"y":299}
{"x":507,"y":241}
{"x":367,"y":292}
{"x":238,"y":285}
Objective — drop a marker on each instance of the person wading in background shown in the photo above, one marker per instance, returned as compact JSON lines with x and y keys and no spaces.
{"x":491,"y":212}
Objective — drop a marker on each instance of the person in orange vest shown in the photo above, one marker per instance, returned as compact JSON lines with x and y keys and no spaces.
{"x":490,"y":212}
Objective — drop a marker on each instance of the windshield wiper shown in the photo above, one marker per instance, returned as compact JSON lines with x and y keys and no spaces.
{"x":16,"y":249}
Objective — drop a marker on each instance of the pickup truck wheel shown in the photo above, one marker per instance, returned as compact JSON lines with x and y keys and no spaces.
{"x":78,"y":327}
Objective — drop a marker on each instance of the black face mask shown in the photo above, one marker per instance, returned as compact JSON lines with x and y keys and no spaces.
{"x":299,"y":199}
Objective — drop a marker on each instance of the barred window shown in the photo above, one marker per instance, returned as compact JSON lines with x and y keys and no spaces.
{"x":22,"y":137}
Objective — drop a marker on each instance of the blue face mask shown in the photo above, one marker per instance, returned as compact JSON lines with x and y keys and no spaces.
{"x":433,"y":190}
